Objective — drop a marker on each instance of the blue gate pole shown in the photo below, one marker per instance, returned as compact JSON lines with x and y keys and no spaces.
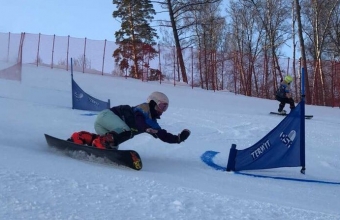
{"x":302,"y":123}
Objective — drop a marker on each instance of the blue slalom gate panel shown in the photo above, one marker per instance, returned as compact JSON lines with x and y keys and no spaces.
{"x":281,"y":147}
{"x":83,"y":101}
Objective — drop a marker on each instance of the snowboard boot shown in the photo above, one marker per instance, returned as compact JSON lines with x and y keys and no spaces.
{"x":122,"y":137}
{"x":282,"y":112}
{"x":82,"y":137}
{"x":106,"y":141}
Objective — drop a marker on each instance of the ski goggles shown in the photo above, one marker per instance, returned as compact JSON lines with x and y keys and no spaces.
{"x":161,"y":107}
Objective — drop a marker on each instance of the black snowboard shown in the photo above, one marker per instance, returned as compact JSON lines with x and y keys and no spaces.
{"x":128,"y":158}
{"x":276,"y":113}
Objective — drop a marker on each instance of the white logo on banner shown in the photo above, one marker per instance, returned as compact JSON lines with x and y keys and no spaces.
{"x":288,"y":139}
{"x":78,"y":95}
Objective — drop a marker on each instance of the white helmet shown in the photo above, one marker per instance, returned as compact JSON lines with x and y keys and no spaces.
{"x":161,"y":100}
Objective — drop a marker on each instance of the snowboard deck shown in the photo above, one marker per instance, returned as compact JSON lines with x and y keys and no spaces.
{"x":276,"y":113}
{"x":128,"y":158}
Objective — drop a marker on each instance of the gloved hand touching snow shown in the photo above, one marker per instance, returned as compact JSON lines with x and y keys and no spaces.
{"x":183,"y":135}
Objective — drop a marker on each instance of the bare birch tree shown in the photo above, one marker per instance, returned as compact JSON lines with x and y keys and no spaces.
{"x":248,"y":42}
{"x":274,"y":15}
{"x":177,"y":16}
{"x":207,"y":32}
{"x":318,"y":14}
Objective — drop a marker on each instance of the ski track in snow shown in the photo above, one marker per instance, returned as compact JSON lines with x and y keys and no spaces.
{"x":110,"y":201}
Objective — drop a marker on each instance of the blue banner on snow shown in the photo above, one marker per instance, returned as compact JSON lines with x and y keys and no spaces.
{"x":281,"y":147}
{"x":83,"y":101}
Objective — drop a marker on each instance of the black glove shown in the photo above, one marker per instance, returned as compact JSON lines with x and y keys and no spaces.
{"x":183,"y":135}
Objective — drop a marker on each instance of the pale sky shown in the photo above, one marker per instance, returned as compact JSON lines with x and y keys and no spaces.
{"x":91,"y":18}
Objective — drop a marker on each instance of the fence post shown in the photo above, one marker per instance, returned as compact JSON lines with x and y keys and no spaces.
{"x":20,"y":49}
{"x":175,"y":65}
{"x":332,"y":83}
{"x":9,"y":42}
{"x":337,"y":80}
{"x":288,"y":67}
{"x":159,"y":64}
{"x":53,"y":51}
{"x":142,"y":65}
{"x":67,"y":51}
{"x":104,"y":57}
{"x":84,"y":56}
{"x":148,"y":66}
{"x":38,"y":51}
{"x":192,"y":67}
{"x":221,"y":57}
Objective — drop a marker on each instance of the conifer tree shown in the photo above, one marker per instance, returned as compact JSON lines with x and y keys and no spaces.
{"x":135,"y":36}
